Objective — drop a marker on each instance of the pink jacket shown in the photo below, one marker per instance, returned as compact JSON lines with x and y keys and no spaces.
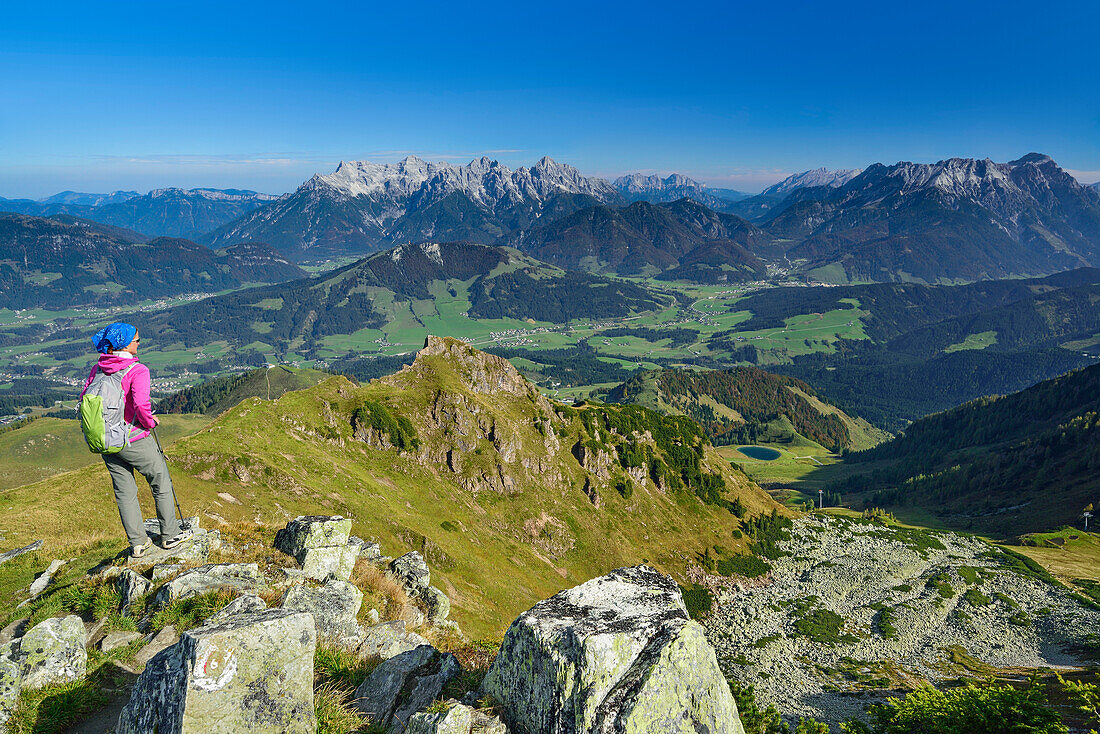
{"x":135,"y":385}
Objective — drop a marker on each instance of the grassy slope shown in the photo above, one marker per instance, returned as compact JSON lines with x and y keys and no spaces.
{"x":297,"y":455}
{"x":50,"y":446}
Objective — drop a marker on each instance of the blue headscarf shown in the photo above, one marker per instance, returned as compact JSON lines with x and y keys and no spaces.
{"x":116,"y":336}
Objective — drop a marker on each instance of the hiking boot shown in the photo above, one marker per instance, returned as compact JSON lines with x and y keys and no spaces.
{"x":172,"y":542}
{"x":138,"y":551}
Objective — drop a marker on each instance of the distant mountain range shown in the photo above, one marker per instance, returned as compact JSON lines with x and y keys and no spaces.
{"x":809,"y":179}
{"x":364,"y":206}
{"x":681,"y":239}
{"x":957,"y":219}
{"x":65,"y":261}
{"x":657,"y":190}
{"x":168,"y":212}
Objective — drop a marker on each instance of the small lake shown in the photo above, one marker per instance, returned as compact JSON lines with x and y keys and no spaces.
{"x":760,"y":453}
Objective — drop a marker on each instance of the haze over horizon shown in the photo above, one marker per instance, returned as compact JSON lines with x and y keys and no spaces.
{"x":263,"y":96}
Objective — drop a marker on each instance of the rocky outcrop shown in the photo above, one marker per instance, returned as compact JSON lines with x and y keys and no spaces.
{"x":412,"y":573}
{"x":405,"y":684}
{"x":322,"y":544}
{"x":250,"y":674}
{"x":51,"y":652}
{"x":615,"y":654}
{"x":436,"y":605}
{"x":212,"y":577}
{"x":458,"y":718}
{"x":131,"y":586}
{"x":46,"y":578}
{"x":243,"y":604}
{"x":387,"y":639}
{"x":10,"y":680}
{"x":333,"y":607}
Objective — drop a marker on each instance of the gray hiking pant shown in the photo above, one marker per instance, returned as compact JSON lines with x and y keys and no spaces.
{"x":144,"y":456}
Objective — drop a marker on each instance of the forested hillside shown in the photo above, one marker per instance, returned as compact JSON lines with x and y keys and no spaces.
{"x":1019,"y":463}
{"x":744,"y":405}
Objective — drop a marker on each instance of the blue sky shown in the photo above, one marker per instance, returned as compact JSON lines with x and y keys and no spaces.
{"x":103,"y":96}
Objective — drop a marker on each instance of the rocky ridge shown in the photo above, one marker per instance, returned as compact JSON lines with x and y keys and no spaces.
{"x":640,"y":664}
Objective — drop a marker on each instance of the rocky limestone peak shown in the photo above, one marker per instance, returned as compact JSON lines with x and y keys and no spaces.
{"x":486,"y":373}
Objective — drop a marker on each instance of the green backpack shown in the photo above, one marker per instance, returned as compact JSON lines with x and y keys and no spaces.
{"x":103,"y":413}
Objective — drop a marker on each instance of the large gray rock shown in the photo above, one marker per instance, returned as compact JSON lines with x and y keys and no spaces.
{"x":411,"y":572}
{"x":405,"y":684}
{"x":313,"y":531}
{"x":333,"y":606}
{"x":388,"y":639}
{"x":42,"y":582}
{"x":251,"y":674}
{"x":367,"y":549}
{"x":436,"y":604}
{"x":195,"y":549}
{"x":11,"y":678}
{"x":52,"y":652}
{"x":457,"y":719}
{"x":212,"y":577}
{"x":615,"y":654}
{"x":337,"y":561}
{"x":131,"y":586}
{"x":243,"y":604}
{"x":117,"y":639}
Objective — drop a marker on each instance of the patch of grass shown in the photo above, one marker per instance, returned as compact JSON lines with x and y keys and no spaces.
{"x":335,"y":712}
{"x":476,"y":657}
{"x":903,"y":588}
{"x":941,"y":582}
{"x":1006,"y":600}
{"x":747,"y":566}
{"x":1020,"y":619}
{"x":969,"y":574}
{"x":698,"y":600}
{"x":885,"y":622}
{"x":54,"y":708}
{"x":977,"y":598}
{"x":380,"y":592}
{"x":766,"y":640}
{"x":340,"y":666}
{"x":185,"y":614}
{"x":823,"y":626}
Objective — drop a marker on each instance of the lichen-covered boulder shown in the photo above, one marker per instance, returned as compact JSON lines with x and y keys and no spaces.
{"x":436,"y":604}
{"x":116,"y":639}
{"x":11,"y":679}
{"x":333,"y":606}
{"x":131,"y":586}
{"x":251,"y":674}
{"x":212,"y":577}
{"x":370,"y":551}
{"x":405,"y":684}
{"x":616,"y":654}
{"x":388,"y":639}
{"x":313,"y":531}
{"x":411,"y":572}
{"x":458,"y":718}
{"x":243,"y":604}
{"x":52,"y":652}
{"x":336,"y":561}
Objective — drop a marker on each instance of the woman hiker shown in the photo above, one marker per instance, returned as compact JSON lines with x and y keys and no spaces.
{"x":118,"y":345}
